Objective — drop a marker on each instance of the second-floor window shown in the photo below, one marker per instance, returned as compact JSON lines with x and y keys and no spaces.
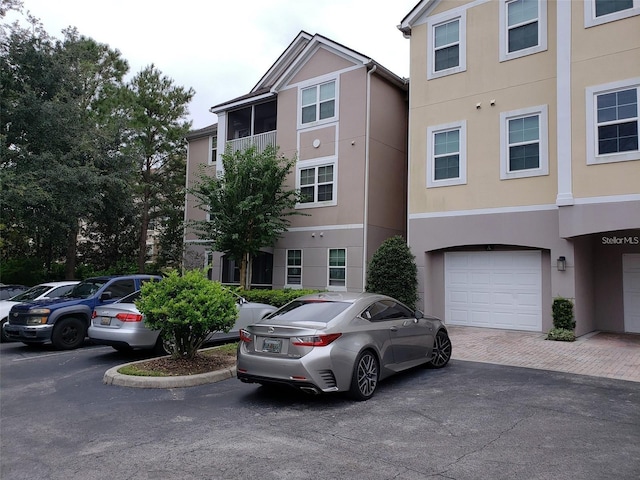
{"x":597,"y":12}
{"x":317,"y":184}
{"x":318,"y":102}
{"x":524,"y":28}
{"x":213,"y":145}
{"x":524,"y":143}
{"x":447,"y":54}
{"x":446,"y":160}
{"x":607,"y":7}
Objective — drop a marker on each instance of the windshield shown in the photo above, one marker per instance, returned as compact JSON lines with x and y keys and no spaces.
{"x":33,"y":292}
{"x":310,"y":310}
{"x":86,"y":289}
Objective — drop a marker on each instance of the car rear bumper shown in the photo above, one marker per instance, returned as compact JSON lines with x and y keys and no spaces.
{"x":142,"y":338}
{"x":26,"y":333}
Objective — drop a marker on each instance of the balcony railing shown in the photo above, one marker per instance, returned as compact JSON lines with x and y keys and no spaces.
{"x":260,"y":141}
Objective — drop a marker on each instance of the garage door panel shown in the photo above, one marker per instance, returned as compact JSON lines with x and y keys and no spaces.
{"x":495,"y":289}
{"x":631,"y":291}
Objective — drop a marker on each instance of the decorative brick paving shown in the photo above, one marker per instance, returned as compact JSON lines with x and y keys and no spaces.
{"x":599,"y":354}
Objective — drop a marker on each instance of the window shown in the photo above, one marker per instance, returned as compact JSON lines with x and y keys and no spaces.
{"x":252,"y":120}
{"x":294,"y":267}
{"x":386,"y":310}
{"x":612,"y":122}
{"x":524,"y":28}
{"x":597,"y":12}
{"x":524,"y":143}
{"x":213,"y":145}
{"x":318,"y":102}
{"x":446,"y":157}
{"x":448,"y":40}
{"x":121,"y":288}
{"x":337,"y":267}
{"x":317,"y":185}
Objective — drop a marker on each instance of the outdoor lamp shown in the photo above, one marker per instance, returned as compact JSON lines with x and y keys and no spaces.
{"x":562,"y":264}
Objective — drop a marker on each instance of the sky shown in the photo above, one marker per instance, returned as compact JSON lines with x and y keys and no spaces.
{"x":222,"y":48}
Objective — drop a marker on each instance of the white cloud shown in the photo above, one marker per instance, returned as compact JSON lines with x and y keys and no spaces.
{"x":222,"y":49}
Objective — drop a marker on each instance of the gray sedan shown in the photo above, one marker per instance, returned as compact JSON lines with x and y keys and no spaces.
{"x":121,"y":325}
{"x":334,"y":342}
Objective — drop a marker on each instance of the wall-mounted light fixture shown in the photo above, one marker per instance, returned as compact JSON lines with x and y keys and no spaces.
{"x":313,"y":234}
{"x":562,"y":264}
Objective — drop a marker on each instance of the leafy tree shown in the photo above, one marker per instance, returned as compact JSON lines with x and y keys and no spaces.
{"x":186,"y":309}
{"x":157,"y":129}
{"x":248,"y":206}
{"x":392,"y":271}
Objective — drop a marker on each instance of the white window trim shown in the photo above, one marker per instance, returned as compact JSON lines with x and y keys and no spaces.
{"x":303,"y":165}
{"x":293,"y":286}
{"x":504,"y":35}
{"x":590,"y":19}
{"x":591,"y":124}
{"x":543,"y":141}
{"x":211,"y":160}
{"x":431,"y":131}
{"x":311,"y":83}
{"x":334,"y":288}
{"x":436,"y":21}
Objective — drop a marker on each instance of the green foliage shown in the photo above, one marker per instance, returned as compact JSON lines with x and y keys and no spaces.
{"x":392,"y":271}
{"x":563,"y":321}
{"x":248,"y":207}
{"x":562,"y":309}
{"x":186,"y":309}
{"x":561,"y":335}
{"x":277,"y":298}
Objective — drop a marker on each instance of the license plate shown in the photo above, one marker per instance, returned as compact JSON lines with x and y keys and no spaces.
{"x":105,"y":321}
{"x":272,"y":345}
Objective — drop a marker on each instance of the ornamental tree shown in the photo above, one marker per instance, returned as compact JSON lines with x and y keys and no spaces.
{"x":186,"y":310}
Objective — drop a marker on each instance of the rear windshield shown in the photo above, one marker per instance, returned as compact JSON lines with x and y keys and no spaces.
{"x":313,"y":311}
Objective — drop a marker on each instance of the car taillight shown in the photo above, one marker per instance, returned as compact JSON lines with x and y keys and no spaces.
{"x":315,"y":340}
{"x":245,"y":336}
{"x":129,"y":317}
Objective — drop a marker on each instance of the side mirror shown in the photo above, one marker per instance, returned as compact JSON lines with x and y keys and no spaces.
{"x":105,"y":296}
{"x":418,"y":314}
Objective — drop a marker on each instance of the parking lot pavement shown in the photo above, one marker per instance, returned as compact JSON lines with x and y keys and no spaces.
{"x":600,"y":354}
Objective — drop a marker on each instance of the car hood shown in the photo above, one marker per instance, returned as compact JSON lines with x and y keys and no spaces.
{"x":46,"y":302}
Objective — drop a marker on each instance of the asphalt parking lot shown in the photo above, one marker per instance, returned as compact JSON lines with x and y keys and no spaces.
{"x":468,"y":421}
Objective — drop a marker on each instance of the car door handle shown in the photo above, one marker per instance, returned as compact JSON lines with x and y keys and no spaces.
{"x":394,"y":329}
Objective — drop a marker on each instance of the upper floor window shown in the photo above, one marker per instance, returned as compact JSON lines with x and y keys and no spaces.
{"x":252,"y":120}
{"x":318,"y":102}
{"x":446,"y":158}
{"x":213,"y":149}
{"x":597,"y":12}
{"x":612,"y":122}
{"x":317,"y":184}
{"x":524,"y":143}
{"x":294,"y":267}
{"x":337,"y":268}
{"x":523,"y":28}
{"x":447,"y":37}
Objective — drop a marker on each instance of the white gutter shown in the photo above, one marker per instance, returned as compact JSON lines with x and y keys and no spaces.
{"x":365,"y":230}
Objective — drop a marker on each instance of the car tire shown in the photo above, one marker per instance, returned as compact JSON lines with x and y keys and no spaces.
{"x":365,"y":376}
{"x":441,"y":350}
{"x":68,"y":333}
{"x":162,"y":347}
{"x":3,"y":337}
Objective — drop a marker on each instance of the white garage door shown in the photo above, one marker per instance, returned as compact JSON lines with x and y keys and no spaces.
{"x":498,"y":289}
{"x":631,"y":291}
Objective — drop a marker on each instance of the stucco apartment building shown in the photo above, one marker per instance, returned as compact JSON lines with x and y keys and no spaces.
{"x":524,"y":167}
{"x":344,"y":117}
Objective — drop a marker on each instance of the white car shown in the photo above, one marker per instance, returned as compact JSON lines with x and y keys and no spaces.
{"x":43,"y":290}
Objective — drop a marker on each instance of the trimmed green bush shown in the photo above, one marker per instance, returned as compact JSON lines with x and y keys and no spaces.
{"x":563,"y":321}
{"x":392,"y":271}
{"x":277,"y":298}
{"x":186,"y":309}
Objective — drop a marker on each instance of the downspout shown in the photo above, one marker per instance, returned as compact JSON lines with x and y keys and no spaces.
{"x":186,"y":214}
{"x":365,"y":229}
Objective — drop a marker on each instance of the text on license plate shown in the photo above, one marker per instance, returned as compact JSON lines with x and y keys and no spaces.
{"x":272,"y":345}
{"x":105,"y":321}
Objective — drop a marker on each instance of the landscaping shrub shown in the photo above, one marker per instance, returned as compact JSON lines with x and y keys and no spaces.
{"x":277,"y":298}
{"x":563,"y":321}
{"x":186,"y":309}
{"x":392,"y":271}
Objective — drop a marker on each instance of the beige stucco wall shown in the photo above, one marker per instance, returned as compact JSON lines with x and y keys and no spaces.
{"x":597,"y":59}
{"x":199,"y":149}
{"x":520,"y":83}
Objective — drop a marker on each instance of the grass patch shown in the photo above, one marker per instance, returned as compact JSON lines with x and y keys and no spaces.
{"x":139,"y":372}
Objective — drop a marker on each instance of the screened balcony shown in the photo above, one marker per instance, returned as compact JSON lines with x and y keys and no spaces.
{"x":254,"y":125}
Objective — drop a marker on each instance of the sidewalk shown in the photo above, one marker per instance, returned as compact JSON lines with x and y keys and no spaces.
{"x":598,"y":354}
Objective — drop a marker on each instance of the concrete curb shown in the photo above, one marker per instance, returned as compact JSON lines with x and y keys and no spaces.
{"x":112,"y":377}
